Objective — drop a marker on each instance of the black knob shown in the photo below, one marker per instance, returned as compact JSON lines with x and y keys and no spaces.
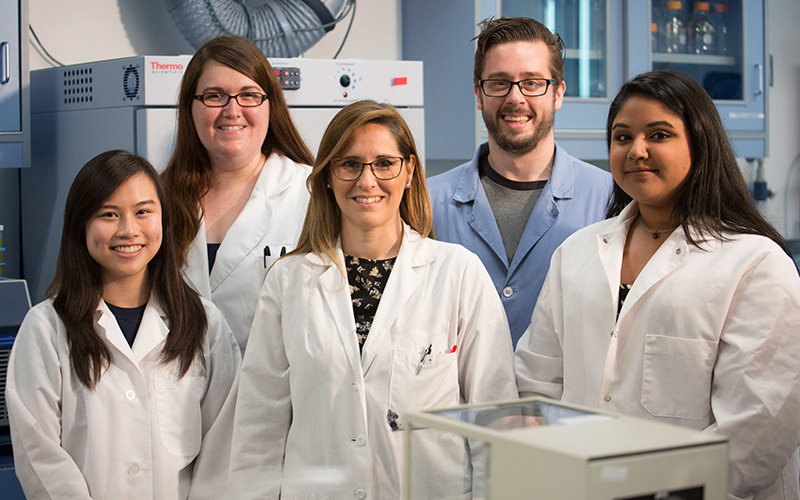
{"x":344,"y":80}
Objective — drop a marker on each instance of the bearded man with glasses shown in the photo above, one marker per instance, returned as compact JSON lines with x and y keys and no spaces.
{"x":521,"y":194}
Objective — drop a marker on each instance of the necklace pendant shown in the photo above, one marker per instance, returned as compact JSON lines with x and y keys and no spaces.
{"x":655,"y":235}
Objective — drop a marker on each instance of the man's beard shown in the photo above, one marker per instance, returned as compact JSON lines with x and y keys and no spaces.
{"x":518,"y":145}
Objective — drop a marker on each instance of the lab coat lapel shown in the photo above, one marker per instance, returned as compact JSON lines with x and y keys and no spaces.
{"x":196,"y":270}
{"x":404,"y":279}
{"x":152,"y":330}
{"x":336,"y":295}
{"x":610,"y":246}
{"x":109,"y":328}
{"x":666,"y":259}
{"x":244,"y":234}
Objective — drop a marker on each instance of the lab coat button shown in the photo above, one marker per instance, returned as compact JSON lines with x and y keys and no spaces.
{"x":508,"y":291}
{"x":133,"y":469}
{"x":361,"y":441}
{"x":678,"y":251}
{"x":130,"y":395}
{"x":360,"y":493}
{"x":606,"y":398}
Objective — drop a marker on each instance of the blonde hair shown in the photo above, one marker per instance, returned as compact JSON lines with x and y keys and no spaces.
{"x":322,"y":224}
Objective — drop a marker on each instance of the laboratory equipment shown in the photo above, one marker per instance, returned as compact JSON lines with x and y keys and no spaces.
{"x":537,"y":448}
{"x":14,"y":304}
{"x":81,"y":110}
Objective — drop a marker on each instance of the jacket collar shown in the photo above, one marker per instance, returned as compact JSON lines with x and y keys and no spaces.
{"x":415,"y":253}
{"x":664,"y":261}
{"x":152,"y":330}
{"x":276,"y":176}
{"x":561,"y":183}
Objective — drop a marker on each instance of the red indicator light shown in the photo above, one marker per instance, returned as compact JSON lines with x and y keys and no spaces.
{"x":402,"y":80}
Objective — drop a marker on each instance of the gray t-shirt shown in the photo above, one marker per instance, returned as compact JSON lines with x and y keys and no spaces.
{"x":512,"y":203}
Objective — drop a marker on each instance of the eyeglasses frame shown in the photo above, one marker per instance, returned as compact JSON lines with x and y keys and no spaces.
{"x":264,"y":97}
{"x":369,"y":164}
{"x":518,"y":83}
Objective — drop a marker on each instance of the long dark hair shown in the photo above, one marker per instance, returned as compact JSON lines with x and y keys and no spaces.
{"x":188,"y":173}
{"x":77,"y":287}
{"x":714,"y":197}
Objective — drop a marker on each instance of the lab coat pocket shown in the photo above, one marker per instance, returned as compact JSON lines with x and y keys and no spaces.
{"x":431,"y":383}
{"x":676,"y":376}
{"x":178,"y":402}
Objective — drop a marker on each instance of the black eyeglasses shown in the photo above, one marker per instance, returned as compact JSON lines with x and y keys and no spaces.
{"x":220,"y":99}
{"x":530,"y":87}
{"x":350,"y":169}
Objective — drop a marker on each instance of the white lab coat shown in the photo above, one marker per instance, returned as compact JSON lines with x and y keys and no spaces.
{"x":309,"y":399}
{"x":272,"y":218}
{"x":706,"y":339}
{"x":142,"y":433}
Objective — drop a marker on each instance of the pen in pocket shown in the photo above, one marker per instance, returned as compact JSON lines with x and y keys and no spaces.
{"x":425,"y":353}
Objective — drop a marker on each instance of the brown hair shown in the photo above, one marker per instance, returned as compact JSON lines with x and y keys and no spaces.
{"x":323,"y":218}
{"x":187,"y":176}
{"x":77,"y":287}
{"x":517,"y":29}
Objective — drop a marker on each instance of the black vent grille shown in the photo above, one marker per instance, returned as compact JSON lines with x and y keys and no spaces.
{"x":130,"y":83}
{"x":78,"y":86}
{"x":5,"y":352}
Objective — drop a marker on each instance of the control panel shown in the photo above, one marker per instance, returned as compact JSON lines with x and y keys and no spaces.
{"x":289,"y":78}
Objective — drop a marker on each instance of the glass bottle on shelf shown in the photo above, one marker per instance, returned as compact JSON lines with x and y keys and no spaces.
{"x":701,"y":32}
{"x":674,"y":28}
{"x":719,"y":20}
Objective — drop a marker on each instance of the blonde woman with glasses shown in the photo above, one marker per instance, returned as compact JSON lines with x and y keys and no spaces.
{"x":369,"y":317}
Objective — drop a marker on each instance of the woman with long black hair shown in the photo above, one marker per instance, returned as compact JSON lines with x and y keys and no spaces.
{"x":122,"y":383}
{"x":684,"y":306}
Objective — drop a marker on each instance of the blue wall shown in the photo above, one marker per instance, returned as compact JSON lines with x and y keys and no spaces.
{"x":439,"y":33}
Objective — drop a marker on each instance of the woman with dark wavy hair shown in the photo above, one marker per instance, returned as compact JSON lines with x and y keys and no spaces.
{"x":684,"y":306}
{"x":237,"y":176}
{"x":122,"y":383}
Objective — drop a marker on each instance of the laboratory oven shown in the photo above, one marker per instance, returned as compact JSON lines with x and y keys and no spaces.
{"x":81,"y":110}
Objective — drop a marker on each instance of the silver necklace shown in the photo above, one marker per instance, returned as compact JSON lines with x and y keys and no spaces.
{"x":654,"y":232}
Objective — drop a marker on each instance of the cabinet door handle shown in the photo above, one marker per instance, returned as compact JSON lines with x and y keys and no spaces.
{"x":760,"y":79}
{"x":5,"y":65}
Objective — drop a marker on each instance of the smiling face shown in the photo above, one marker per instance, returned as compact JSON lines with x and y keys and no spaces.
{"x":517,"y":124}
{"x":124,"y":234}
{"x":370,"y":206}
{"x":232,"y":135}
{"x":649,"y":152}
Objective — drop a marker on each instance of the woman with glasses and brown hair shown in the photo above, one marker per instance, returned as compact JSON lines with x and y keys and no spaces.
{"x":368,"y":318}
{"x":237,"y":176}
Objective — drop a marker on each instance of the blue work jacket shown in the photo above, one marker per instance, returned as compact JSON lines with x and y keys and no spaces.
{"x":575,"y":196}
